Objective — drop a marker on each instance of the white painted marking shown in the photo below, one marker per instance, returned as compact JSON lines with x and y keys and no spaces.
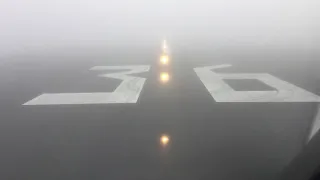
{"x":316,"y":124}
{"x":222,"y":92}
{"x":127,"y":92}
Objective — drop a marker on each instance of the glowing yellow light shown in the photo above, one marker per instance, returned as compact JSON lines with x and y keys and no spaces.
{"x":164,"y":46}
{"x":164,"y":59}
{"x":164,"y":140}
{"x":164,"y":77}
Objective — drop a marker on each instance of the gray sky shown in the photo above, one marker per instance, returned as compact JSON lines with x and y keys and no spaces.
{"x":44,"y":24}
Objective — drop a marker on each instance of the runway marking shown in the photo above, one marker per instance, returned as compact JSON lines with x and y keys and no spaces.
{"x":222,"y":92}
{"x":315,"y":125}
{"x":127,"y":92}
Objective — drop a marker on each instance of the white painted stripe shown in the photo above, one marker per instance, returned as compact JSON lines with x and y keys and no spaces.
{"x":222,"y":92}
{"x":127,"y":92}
{"x":316,"y":124}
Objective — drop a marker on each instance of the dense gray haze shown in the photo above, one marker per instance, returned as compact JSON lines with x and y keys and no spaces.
{"x":37,"y":25}
{"x":88,"y":92}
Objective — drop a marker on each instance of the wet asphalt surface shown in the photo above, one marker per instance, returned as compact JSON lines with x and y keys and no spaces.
{"x":208,"y":139}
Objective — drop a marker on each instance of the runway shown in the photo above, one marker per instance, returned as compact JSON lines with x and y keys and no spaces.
{"x":215,"y":131}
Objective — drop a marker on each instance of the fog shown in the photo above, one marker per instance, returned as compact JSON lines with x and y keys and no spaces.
{"x":37,"y":25}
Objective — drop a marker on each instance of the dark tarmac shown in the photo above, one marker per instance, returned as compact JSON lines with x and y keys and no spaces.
{"x":208,"y":139}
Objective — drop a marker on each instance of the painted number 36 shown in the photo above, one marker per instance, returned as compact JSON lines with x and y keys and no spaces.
{"x":130,"y":88}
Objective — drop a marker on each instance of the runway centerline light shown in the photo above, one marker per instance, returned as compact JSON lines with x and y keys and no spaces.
{"x":164,"y":46}
{"x":164,"y":140}
{"x":164,"y":77}
{"x":164,"y":59}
